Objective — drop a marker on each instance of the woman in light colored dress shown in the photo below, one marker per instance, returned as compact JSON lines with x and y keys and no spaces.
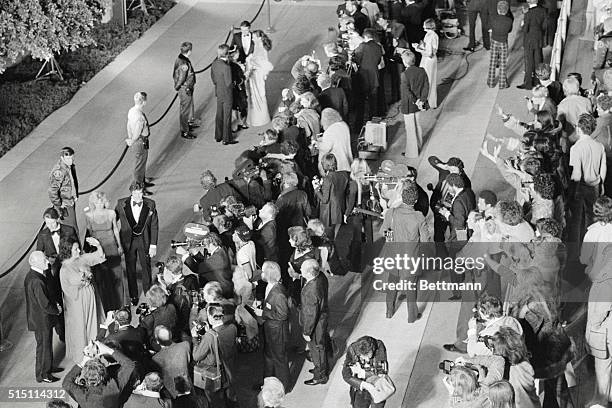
{"x":82,"y":308}
{"x":257,"y":68}
{"x":108,"y":277}
{"x":429,"y":62}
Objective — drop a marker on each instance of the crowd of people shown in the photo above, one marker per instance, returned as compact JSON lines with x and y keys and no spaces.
{"x":257,"y":279}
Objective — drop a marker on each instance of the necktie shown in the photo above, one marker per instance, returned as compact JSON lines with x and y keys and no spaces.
{"x":56,"y":232}
{"x":137,"y":204}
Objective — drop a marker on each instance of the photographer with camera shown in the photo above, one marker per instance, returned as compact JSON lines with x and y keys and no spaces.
{"x":178,"y":282}
{"x":156,"y":311}
{"x":403,"y":224}
{"x":487,"y":321}
{"x":211,"y":263}
{"x":251,"y":184}
{"x":118,"y":330}
{"x":510,"y":345}
{"x":215,"y":351}
{"x":213,"y":194}
{"x":366,"y":358}
{"x":95,"y":383}
{"x":468,"y":383}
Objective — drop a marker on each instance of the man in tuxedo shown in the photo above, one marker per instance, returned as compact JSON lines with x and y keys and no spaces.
{"x":313,"y":316}
{"x":367,"y":57}
{"x":172,"y":360}
{"x":332,"y":97}
{"x":221,"y":74}
{"x":64,"y":187}
{"x":414,"y":92}
{"x":265,"y":236}
{"x":534,"y":26}
{"x":184,"y":82}
{"x":243,"y":41}
{"x":462,"y":203}
{"x":275,"y":317}
{"x":48,"y":241}
{"x":138,"y":234}
{"x":41,"y":312}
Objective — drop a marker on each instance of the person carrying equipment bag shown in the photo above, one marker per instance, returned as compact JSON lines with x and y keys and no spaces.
{"x":214,"y":352}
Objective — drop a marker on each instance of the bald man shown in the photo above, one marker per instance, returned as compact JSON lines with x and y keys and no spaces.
{"x":41,"y":311}
{"x":172,"y":360}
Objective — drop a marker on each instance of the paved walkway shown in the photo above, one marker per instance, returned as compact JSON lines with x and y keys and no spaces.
{"x":93,"y":123}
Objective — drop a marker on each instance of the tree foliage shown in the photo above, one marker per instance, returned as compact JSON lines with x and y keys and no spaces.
{"x":43,"y":28}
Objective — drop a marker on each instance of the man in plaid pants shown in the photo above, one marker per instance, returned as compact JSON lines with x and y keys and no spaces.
{"x":501,"y":25}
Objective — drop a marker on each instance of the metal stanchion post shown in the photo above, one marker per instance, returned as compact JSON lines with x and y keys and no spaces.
{"x":269,"y":29}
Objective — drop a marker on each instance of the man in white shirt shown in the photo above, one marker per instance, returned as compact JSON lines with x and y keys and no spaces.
{"x":588,"y":162}
{"x":138,"y":137}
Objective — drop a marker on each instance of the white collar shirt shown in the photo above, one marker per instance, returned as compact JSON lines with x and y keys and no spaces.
{"x":269,"y":289}
{"x":136,"y":209}
{"x":246,"y":42}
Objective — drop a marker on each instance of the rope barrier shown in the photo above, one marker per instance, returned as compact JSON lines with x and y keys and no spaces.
{"x":110,"y":174}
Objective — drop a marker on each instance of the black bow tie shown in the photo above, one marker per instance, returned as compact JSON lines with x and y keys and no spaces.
{"x":56,"y":232}
{"x":137,"y":204}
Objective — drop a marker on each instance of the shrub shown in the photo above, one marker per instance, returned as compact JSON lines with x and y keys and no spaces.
{"x":25,"y":103}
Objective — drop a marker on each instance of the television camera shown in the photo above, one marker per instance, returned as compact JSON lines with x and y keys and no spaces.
{"x":194,"y":235}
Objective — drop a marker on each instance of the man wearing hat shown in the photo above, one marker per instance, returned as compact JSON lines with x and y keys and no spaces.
{"x":184,"y":82}
{"x":64,"y":187}
{"x":40,"y":311}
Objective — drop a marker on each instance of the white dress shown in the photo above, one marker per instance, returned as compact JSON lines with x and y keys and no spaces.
{"x":429,"y":63}
{"x":257,"y":68}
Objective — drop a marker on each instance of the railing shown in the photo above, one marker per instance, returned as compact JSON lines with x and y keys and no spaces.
{"x":560,"y":36}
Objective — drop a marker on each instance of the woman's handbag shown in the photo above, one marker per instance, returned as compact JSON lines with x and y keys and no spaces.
{"x":209,"y":378}
{"x":383,"y":387}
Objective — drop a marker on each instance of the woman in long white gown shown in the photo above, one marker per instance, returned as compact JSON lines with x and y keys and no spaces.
{"x":257,"y":68}
{"x":429,"y":61}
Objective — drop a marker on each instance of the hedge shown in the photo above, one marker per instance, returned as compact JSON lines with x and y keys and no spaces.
{"x":25,"y":103}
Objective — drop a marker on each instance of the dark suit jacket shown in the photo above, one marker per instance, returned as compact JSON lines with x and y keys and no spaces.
{"x":266,"y":243}
{"x":132,"y":342}
{"x":367,"y":57}
{"x":314,"y":311}
{"x":44,"y":243}
{"x":436,"y":195}
{"x":217,"y":268}
{"x":332,"y":197}
{"x":147,"y":223}
{"x":534,"y":27}
{"x":39,"y":307}
{"x":145,"y":401}
{"x":463,"y":204}
{"x":293,"y":208}
{"x":221,"y":74}
{"x":412,"y":19}
{"x":361,"y":21}
{"x":163,"y":315}
{"x":237,"y":41}
{"x":173,"y":361}
{"x":256,"y":192}
{"x":203,"y":354}
{"x":414,"y":86}
{"x":334,"y":98}
{"x":214,"y":197}
{"x":352,"y":358}
{"x":275,"y":308}
{"x":103,"y":396}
